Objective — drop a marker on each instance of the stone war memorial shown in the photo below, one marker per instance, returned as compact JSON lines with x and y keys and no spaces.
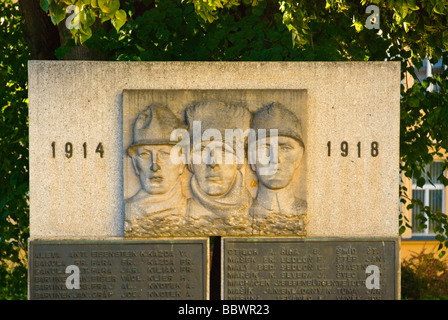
{"x":280,"y":179}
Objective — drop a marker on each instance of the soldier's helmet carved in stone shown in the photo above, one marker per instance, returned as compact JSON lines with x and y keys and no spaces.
{"x":153,"y":126}
{"x":218,"y":115}
{"x":276,"y":116}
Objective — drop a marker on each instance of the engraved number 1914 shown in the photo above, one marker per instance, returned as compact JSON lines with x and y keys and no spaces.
{"x":69,"y":149}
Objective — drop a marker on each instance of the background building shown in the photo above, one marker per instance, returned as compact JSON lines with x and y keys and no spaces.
{"x":432,"y":193}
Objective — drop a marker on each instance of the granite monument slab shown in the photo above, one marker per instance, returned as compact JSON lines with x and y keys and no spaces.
{"x":310,"y":269}
{"x":170,"y":269}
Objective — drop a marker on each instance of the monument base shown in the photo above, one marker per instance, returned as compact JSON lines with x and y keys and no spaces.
{"x":158,"y":269}
{"x":310,"y":269}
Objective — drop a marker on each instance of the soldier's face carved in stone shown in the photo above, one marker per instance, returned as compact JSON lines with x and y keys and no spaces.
{"x":216,"y":173}
{"x":156,"y":172}
{"x":288,"y":159}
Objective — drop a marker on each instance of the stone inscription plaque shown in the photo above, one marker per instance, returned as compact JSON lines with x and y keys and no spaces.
{"x":311,"y":269}
{"x":116,"y":269}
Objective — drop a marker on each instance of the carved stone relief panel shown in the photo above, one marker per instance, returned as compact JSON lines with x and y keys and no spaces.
{"x":214,"y":162}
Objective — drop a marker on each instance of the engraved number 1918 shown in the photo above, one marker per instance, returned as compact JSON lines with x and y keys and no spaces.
{"x":344,"y":148}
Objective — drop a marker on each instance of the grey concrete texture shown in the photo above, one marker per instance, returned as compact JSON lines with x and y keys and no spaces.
{"x":81,"y":196}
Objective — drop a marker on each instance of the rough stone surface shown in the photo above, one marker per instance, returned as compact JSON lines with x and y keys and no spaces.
{"x":223,"y":198}
{"x":82,"y":196}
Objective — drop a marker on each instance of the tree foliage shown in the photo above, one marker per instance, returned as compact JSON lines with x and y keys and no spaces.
{"x":424,"y":277}
{"x":172,"y":30}
{"x":14,"y":217}
{"x":83,"y":13}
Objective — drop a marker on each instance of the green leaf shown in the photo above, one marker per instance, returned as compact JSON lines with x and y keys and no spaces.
{"x":57,"y":12}
{"x":44,"y":4}
{"x":117,"y":24}
{"x":439,"y":8}
{"x":401,"y":230}
{"x":105,"y":17}
{"x":120,"y":15}
{"x":87,"y":17}
{"x":85,"y":33}
{"x":109,"y":6}
{"x":421,"y":182}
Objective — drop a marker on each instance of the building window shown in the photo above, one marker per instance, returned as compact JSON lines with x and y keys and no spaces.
{"x":430,"y":194}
